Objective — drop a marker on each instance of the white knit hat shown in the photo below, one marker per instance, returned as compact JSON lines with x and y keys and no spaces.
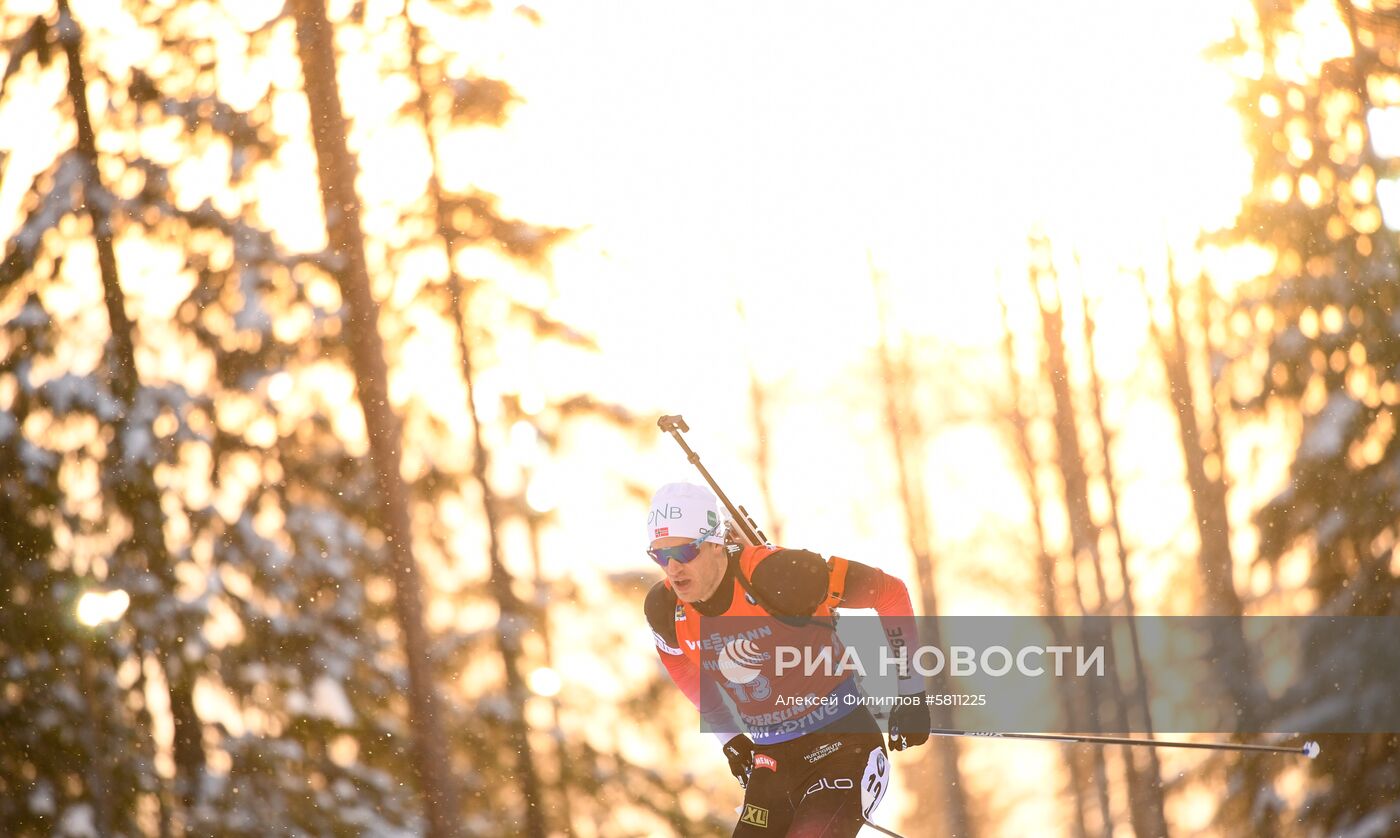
{"x":684,"y":510}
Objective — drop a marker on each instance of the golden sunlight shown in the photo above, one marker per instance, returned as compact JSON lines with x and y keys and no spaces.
{"x":822,"y":232}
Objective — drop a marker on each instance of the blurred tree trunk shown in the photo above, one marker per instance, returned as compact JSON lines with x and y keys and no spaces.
{"x":763,"y":464}
{"x":1145,"y":783}
{"x":566,"y":775}
{"x":575,"y":792}
{"x":1204,"y":459}
{"x":515,"y":621}
{"x":1084,"y":534}
{"x":135,"y":487}
{"x":907,"y":439}
{"x":1204,"y":462}
{"x":1045,"y":568}
{"x":316,"y":47}
{"x":514,"y":618}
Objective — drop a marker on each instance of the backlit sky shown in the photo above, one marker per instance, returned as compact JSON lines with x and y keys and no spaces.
{"x":762,"y":151}
{"x":768,"y":154}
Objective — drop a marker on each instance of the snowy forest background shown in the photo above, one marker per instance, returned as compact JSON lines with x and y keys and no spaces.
{"x":354,"y":523}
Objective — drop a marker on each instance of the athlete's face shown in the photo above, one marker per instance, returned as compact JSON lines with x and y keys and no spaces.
{"x":699,"y":578}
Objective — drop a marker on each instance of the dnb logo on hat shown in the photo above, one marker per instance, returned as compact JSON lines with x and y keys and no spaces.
{"x":684,"y":510}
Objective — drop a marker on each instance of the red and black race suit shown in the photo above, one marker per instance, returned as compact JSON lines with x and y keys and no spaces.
{"x":822,"y":784}
{"x":810,"y":777}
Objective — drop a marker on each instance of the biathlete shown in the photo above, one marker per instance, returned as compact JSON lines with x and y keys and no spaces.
{"x":818,"y":768}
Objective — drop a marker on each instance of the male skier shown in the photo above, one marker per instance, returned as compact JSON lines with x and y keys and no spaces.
{"x":818,"y":774}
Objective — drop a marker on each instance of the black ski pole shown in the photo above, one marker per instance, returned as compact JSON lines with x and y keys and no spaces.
{"x":675,"y":426}
{"x":878,"y":828}
{"x":1309,"y":748}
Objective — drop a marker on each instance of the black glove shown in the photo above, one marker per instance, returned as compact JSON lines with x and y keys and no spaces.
{"x":910,"y":722}
{"x":739,"y":751}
